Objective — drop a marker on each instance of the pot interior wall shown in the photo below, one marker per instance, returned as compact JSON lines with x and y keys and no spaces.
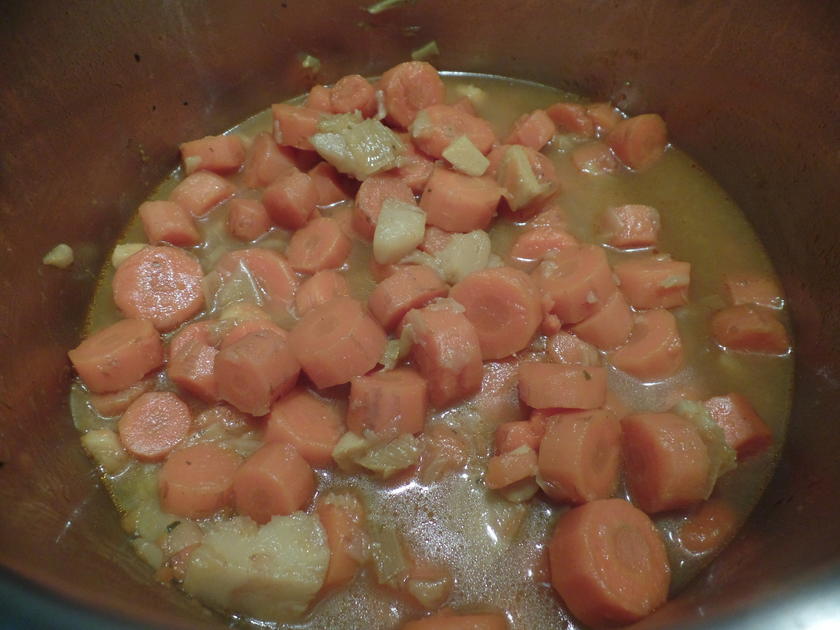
{"x":96,"y":96}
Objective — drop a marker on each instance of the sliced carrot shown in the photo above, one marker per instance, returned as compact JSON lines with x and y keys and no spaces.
{"x":329,"y":184}
{"x":118,"y":356}
{"x":320,"y":289}
{"x":655,"y":349}
{"x":255,"y":370}
{"x":503,"y":304}
{"x":575,"y":282}
{"x":564,"y":347}
{"x":465,"y":105}
{"x":199,"y":192}
{"x":153,"y":425}
{"x":533,"y":130}
{"x":604,"y":116}
{"x":511,"y":178}
{"x":409,"y":87}
{"x":412,"y":286}
{"x":319,"y":245}
{"x":247,"y":219}
{"x":266,"y":161}
{"x":220,"y":154}
{"x":192,"y":357}
{"x":442,"y":621}
{"x":353,"y":92}
{"x":708,"y":527}
{"x":309,"y":423}
{"x":747,"y":288}
{"x":115,"y":403}
{"x":294,"y":125}
{"x":511,"y":467}
{"x":447,"y":353}
{"x":245,"y":328}
{"x":274,"y":480}
{"x":435,"y":127}
{"x":631,"y":226}
{"x":370,"y":197}
{"x":534,"y":244}
{"x":415,"y":168}
{"x":319,"y":98}
{"x":388,"y":403}
{"x":594,"y":158}
{"x":609,"y":563}
{"x":161,"y":284}
{"x":749,"y":328}
{"x":571,"y":118}
{"x":551,"y":385}
{"x":343,"y":521}
{"x":610,"y":326}
{"x":459,"y":203}
{"x":580,"y":456}
{"x":380,"y":272}
{"x":639,"y":141}
{"x":666,"y":462}
{"x":167,"y":222}
{"x":510,"y":436}
{"x":291,"y":199}
{"x":197,"y":481}
{"x":743,"y":428}
{"x":274,"y":277}
{"x":445,"y":451}
{"x":435,"y":240}
{"x":551,"y":214}
{"x":653,"y":282}
{"x":336,"y":341}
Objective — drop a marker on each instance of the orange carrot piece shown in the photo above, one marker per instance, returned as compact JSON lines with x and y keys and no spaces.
{"x":542,"y":167}
{"x":161,"y":284}
{"x":192,"y":357}
{"x":465,"y":105}
{"x":666,"y":462}
{"x":255,"y":370}
{"x":273,"y":276}
{"x":344,"y":526}
{"x":447,"y":353}
{"x":115,"y":403}
{"x":594,"y":158}
{"x":370,"y":197}
{"x":550,"y":214}
{"x":610,"y":326}
{"x":654,"y":283}
{"x":749,"y":328}
{"x":511,"y":467}
{"x":352,"y":93}
{"x":571,"y":118}
{"x":534,"y":244}
{"x":309,"y":423}
{"x":631,"y":226}
{"x":274,"y":480}
{"x":639,"y":141}
{"x":167,"y":222}
{"x":511,"y":435}
{"x":604,"y":116}
{"x":608,"y":563}
{"x":197,"y":481}
{"x":266,"y":161}
{"x":504,"y":306}
{"x":153,"y":425}
{"x":247,"y":219}
{"x":564,"y":347}
{"x":412,"y":286}
{"x":655,"y":349}
{"x":220,"y":154}
{"x":336,"y":341}
{"x":533,"y":130}
{"x":409,"y":87}
{"x":415,"y":167}
{"x":319,"y":245}
{"x":388,"y":403}
{"x":319,"y":98}
{"x":580,"y":456}
{"x":329,"y":184}
{"x":200,"y":192}
{"x":320,"y":289}
{"x":435,"y":127}
{"x":435,"y":240}
{"x":708,"y":527}
{"x":118,"y":356}
{"x":743,"y":428}
{"x":459,"y":203}
{"x":442,"y":621}
{"x":291,"y":199}
{"x":551,"y":385}
{"x":294,"y":125}
{"x":245,"y":328}
{"x":746,"y":288}
{"x":445,"y":451}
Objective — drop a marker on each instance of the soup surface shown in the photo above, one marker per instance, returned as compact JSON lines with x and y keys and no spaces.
{"x":433,"y":534}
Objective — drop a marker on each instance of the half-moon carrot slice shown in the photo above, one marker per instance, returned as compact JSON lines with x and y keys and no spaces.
{"x":655,"y":350}
{"x":556,"y":386}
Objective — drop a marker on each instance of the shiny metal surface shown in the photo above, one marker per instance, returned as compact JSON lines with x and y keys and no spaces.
{"x":95,"y":96}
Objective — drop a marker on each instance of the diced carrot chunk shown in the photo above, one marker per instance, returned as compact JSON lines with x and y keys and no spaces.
{"x":246,"y":327}
{"x":749,"y":328}
{"x":115,"y":403}
{"x":655,"y":349}
{"x":445,"y":451}
{"x":511,"y":435}
{"x":631,"y":226}
{"x":743,"y":428}
{"x":247,"y":219}
{"x":435,"y":127}
{"x":551,"y":385}
{"x":153,"y":425}
{"x":197,"y":481}
{"x":604,"y":116}
{"x":167,"y":222}
{"x":329,"y":184}
{"x":309,"y":423}
{"x":550,"y":214}
{"x":291,"y":199}
{"x":343,"y":521}
{"x":409,"y":87}
{"x":511,"y":467}
{"x":266,"y":161}
{"x":442,"y":621}
{"x":369,"y":199}
{"x":274,"y":480}
{"x":745,"y":288}
{"x":639,"y":141}
{"x":319,"y":245}
{"x":415,"y":168}
{"x":594,"y":158}
{"x":192,"y":357}
{"x":220,"y":154}
{"x":412,"y":286}
{"x":319,"y":98}
{"x":199,"y":192}
{"x":352,"y":93}
{"x":654,"y":283}
{"x":294,"y":125}
{"x":564,"y":347}
{"x":608,"y":563}
{"x":435,"y":240}
{"x":118,"y":356}
{"x":273,"y":276}
{"x":512,"y":175}
{"x":320,"y":289}
{"x":580,"y":456}
{"x":708,"y":527}
{"x":388,"y":403}
{"x":610,"y":326}
{"x":666,"y":462}
{"x":533,"y":130}
{"x":571,"y":118}
{"x":459,"y":203}
{"x":534,"y":244}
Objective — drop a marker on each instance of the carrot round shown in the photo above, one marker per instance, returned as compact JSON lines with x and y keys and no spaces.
{"x":246,"y":327}
{"x":320,"y":289}
{"x":571,"y":118}
{"x":160,"y":284}
{"x":192,"y":357}
{"x":412,"y":286}
{"x":443,"y":621}
{"x":274,"y":480}
{"x":336,"y":341}
{"x":291,"y":199}
{"x":153,"y":425}
{"x":708,"y":527}
{"x":551,"y":385}
{"x":118,"y":356}
{"x":564,"y":347}
{"x":534,"y":244}
{"x":310,"y":424}
{"x":294,"y":125}
{"x":749,"y":328}
{"x":459,"y":203}
{"x":511,"y":467}
{"x":580,"y":456}
{"x":415,"y":168}
{"x":639,"y":141}
{"x":273,"y":276}
{"x":220,"y":154}
{"x":167,"y":222}
{"x":343,"y":522}
{"x":652,"y":283}
{"x":503,"y":304}
{"x":510,"y":436}
{"x":604,"y":116}
{"x":388,"y":403}
{"x":608,"y":563}
{"x":369,"y":199}
{"x":319,"y":245}
{"x":329,"y":184}
{"x":115,"y":403}
{"x":655,"y":349}
{"x":197,"y":481}
{"x":247,"y":219}
{"x":609,"y":326}
{"x":631,"y":226}
{"x":743,"y":428}
{"x":666,"y":462}
{"x":200,"y":192}
{"x":353,"y":92}
{"x":533,"y":129}
{"x":435,"y":127}
{"x":409,"y":87}
{"x":319,"y":98}
{"x":266,"y":161}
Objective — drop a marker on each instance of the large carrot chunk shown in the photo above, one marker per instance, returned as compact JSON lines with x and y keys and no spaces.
{"x":415,"y":168}
{"x":343,"y":519}
{"x":199,"y":192}
{"x":743,"y":428}
{"x":409,"y":87}
{"x":608,"y":563}
{"x":153,"y":425}
{"x":708,"y":527}
{"x":247,"y":219}
{"x":336,"y":341}
{"x":639,"y":141}
{"x":533,"y":129}
{"x":319,"y":245}
{"x":551,"y":385}
{"x":747,"y":288}
{"x":167,"y":222}
{"x":291,"y":199}
{"x":220,"y":154}
{"x":329,"y":184}
{"x":320,"y":289}
{"x":666,"y":462}
{"x":594,"y":158}
{"x":435,"y":127}
{"x":371,"y":195}
{"x":160,"y":284}
{"x":749,"y":328}
{"x":448,"y":621}
{"x":604,"y":116}
{"x":197,"y":481}
{"x":273,"y":276}
{"x":447,"y":352}
{"x":388,"y":403}
{"x":655,"y":349}
{"x":192,"y":357}
{"x":580,"y":455}
{"x":353,"y":92}
{"x":511,"y":435}
{"x":294,"y":125}
{"x":654,"y":283}
{"x":610,"y":326}
{"x":309,"y":423}
{"x":535,"y":244}
{"x":274,"y":480}
{"x":266,"y":161}
{"x":631,"y":226}
{"x":504,"y":306}
{"x":459,"y":203}
{"x":511,"y":467}
{"x":412,"y":286}
{"x":118,"y":356}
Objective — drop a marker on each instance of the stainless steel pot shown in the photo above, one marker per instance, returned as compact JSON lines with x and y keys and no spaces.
{"x":95,"y":96}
